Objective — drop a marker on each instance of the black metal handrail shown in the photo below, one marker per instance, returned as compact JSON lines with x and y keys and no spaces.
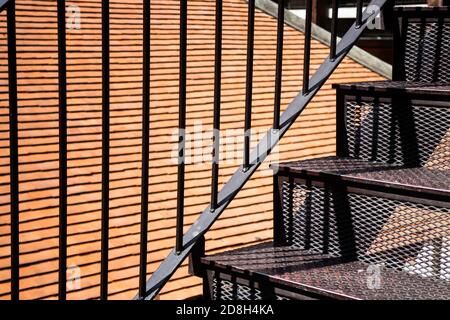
{"x":220,"y":199}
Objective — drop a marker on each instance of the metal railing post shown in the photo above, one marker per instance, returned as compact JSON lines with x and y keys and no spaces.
{"x":217,"y":92}
{"x":62,"y":78}
{"x":105,"y":151}
{"x":13,"y":148}
{"x":307,"y":48}
{"x":249,"y":82}
{"x":334,"y":21}
{"x":181,"y":126}
{"x":279,"y":66}
{"x":145,"y":145}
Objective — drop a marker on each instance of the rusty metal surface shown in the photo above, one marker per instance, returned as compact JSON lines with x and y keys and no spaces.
{"x":398,"y":87}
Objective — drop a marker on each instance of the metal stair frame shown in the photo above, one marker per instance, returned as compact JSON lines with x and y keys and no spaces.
{"x":196,"y":232}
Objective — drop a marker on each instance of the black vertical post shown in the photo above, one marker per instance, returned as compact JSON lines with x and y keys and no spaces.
{"x":145,"y":147}
{"x":359,"y":10}
{"x":217,"y":90}
{"x":105,"y":152}
{"x":307,"y":50}
{"x":334,"y":20}
{"x":181,"y":126}
{"x":62,"y":78}
{"x":279,"y":65}
{"x":341,"y":129}
{"x":13,"y":148}
{"x":249,"y":82}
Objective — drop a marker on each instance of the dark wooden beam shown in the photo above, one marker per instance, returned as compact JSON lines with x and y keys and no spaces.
{"x":320,"y":12}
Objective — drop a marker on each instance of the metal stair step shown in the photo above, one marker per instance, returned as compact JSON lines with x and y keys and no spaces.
{"x":421,"y":43}
{"x":319,"y":275}
{"x":394,"y":122}
{"x":373,"y":174}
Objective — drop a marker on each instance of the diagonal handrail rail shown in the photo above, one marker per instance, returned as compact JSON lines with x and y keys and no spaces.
{"x":168,"y":267}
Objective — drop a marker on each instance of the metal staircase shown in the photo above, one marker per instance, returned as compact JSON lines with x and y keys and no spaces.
{"x":381,"y":205}
{"x":374,"y":221}
{"x":282,"y":123}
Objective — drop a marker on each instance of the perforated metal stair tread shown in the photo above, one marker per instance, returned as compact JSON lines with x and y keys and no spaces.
{"x":326,"y":275}
{"x":421,"y":179}
{"x":411,"y":88}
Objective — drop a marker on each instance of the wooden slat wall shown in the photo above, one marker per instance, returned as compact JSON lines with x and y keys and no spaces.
{"x":249,"y":218}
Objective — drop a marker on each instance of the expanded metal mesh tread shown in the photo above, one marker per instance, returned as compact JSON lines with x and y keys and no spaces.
{"x":424,"y":45}
{"x":400,"y":234}
{"x":374,"y":173}
{"x":398,"y":86}
{"x":396,"y":129}
{"x":328,"y":275}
